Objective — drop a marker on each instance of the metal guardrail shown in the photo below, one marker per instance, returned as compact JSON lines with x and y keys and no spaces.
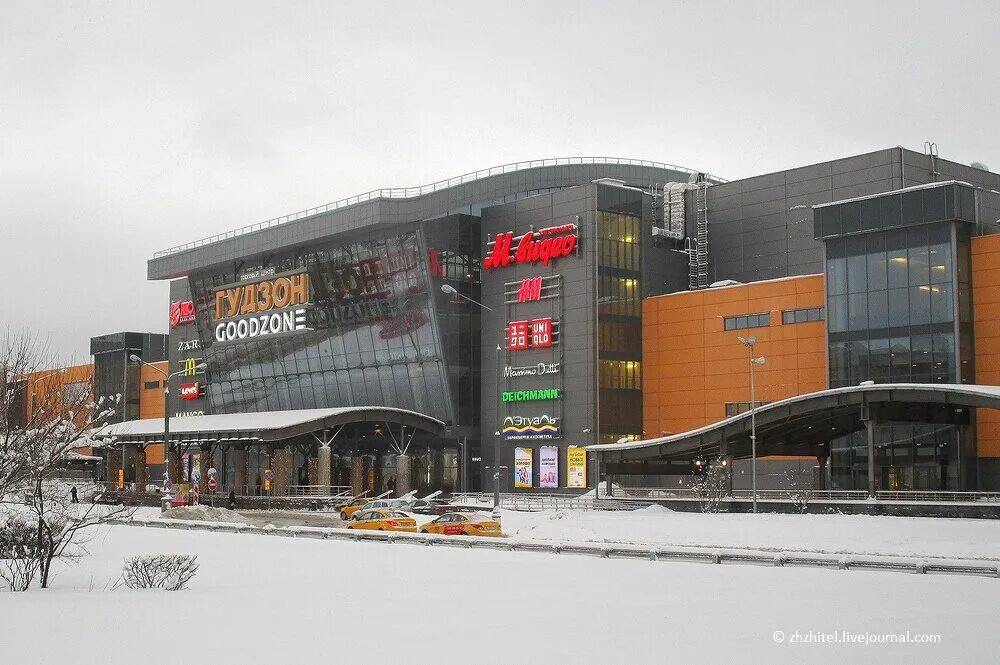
{"x":912,"y":496}
{"x":606,"y":551}
{"x":324,"y":491}
{"x":410,"y":192}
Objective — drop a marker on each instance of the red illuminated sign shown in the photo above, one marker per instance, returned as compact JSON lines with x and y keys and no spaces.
{"x":531,"y":289}
{"x":517,"y":335}
{"x":181,"y":311}
{"x":190,"y":390}
{"x":541,"y":246}
{"x":534,"y":334}
{"x":541,"y":333}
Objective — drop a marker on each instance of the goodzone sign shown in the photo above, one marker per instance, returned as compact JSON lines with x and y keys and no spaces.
{"x":257,"y":326}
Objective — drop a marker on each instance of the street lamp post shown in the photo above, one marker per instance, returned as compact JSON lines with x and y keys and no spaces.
{"x":451,"y":290}
{"x":750,"y":342}
{"x":166,"y":416}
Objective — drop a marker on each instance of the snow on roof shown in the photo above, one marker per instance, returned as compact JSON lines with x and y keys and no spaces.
{"x":928,"y":185}
{"x":977,"y":390}
{"x":243,"y":422}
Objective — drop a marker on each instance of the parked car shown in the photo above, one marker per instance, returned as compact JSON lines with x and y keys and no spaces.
{"x":394,"y":504}
{"x":428,"y":507}
{"x":352,"y":507}
{"x":383,"y":519}
{"x":468,"y":524}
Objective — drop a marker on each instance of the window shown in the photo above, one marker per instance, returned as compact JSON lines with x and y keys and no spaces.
{"x":748,"y":321}
{"x":736,"y":408}
{"x":802,"y":315}
{"x":150,"y":385}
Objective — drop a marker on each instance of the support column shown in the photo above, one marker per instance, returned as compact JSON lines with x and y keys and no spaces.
{"x":357,"y":475}
{"x":821,"y":480}
{"x":173,"y":460}
{"x":240,"y":470}
{"x":205,"y":462}
{"x":403,"y":474}
{"x":281,"y":462}
{"x":728,"y":459}
{"x":870,"y":430}
{"x":323,"y":468}
{"x":140,"y":469}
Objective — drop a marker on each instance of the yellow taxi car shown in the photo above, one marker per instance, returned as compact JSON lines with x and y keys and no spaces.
{"x":383,"y":519}
{"x":351,"y":507}
{"x":468,"y":524}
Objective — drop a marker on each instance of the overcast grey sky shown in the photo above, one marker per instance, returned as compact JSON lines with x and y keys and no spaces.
{"x":130,"y":127}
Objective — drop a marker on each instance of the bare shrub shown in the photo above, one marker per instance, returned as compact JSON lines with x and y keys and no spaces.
{"x":19,"y":553}
{"x":712,"y":486}
{"x":171,"y":572}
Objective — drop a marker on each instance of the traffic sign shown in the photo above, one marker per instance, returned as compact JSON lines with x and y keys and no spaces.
{"x":268,"y":475}
{"x":212,"y":484}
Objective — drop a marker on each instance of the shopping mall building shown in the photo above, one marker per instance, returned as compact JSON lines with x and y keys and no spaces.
{"x":585,"y":302}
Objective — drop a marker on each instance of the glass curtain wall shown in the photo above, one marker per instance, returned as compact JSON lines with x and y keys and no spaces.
{"x":619,"y":312}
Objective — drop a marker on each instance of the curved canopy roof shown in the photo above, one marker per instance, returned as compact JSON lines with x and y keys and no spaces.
{"x":264,"y":426}
{"x":800,"y":425}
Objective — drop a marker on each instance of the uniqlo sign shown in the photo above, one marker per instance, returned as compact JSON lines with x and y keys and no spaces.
{"x":534,"y":334}
{"x":517,"y":335}
{"x":190,"y":390}
{"x":541,"y":333}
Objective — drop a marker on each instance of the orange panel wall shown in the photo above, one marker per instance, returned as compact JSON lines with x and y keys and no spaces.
{"x":692,"y":366}
{"x":151,"y":404}
{"x":46,"y":386}
{"x":986,"y":308}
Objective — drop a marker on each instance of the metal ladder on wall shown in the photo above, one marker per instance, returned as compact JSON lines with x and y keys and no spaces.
{"x":697,"y":247}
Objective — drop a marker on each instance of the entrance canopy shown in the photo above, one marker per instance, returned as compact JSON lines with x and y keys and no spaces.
{"x":802,"y":425}
{"x":262,"y":427}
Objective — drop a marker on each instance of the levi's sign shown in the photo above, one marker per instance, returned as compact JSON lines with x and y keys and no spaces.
{"x":251,"y":308}
{"x":190,"y":390}
{"x":540,"y":246}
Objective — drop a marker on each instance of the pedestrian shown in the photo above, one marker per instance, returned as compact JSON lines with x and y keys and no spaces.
{"x":232,"y":499}
{"x":72,"y":495}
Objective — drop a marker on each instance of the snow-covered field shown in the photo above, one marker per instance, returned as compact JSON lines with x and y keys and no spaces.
{"x":262,"y":599}
{"x":854,"y":534}
{"x":857,"y":534}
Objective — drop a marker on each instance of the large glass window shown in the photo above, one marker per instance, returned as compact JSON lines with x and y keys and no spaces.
{"x":892,"y":294}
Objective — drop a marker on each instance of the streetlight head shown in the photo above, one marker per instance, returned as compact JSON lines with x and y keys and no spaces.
{"x":751,"y":340}
{"x":200,"y":366}
{"x":758,"y":361}
{"x":448,"y":288}
{"x":743,"y":340}
{"x":134,"y":358}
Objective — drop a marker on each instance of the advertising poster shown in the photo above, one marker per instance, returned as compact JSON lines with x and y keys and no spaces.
{"x":522,"y":467}
{"x":576,"y":465}
{"x":548,"y":467}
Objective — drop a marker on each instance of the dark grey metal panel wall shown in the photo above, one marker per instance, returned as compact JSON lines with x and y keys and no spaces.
{"x":488,"y":190}
{"x":578,"y":323}
{"x":755,"y":234}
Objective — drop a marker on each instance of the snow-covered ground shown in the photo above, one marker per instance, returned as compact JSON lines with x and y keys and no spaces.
{"x":261,"y":599}
{"x":854,"y":534}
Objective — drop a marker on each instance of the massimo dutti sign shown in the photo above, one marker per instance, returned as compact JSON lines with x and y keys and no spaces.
{"x":266,"y":307}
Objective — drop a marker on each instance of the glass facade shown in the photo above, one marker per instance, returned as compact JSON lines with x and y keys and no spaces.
{"x":899,"y":311}
{"x":891,"y":302}
{"x":619,"y":311}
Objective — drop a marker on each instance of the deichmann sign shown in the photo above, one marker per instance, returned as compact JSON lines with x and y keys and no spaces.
{"x":541,"y":369}
{"x":540,"y":246}
{"x":531,"y":395}
{"x":531,"y":427}
{"x":265,"y":296}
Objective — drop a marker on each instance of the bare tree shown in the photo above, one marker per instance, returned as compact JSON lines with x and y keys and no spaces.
{"x":712,"y":485}
{"x":35,"y":438}
{"x":161,"y":571}
{"x":799,"y":494}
